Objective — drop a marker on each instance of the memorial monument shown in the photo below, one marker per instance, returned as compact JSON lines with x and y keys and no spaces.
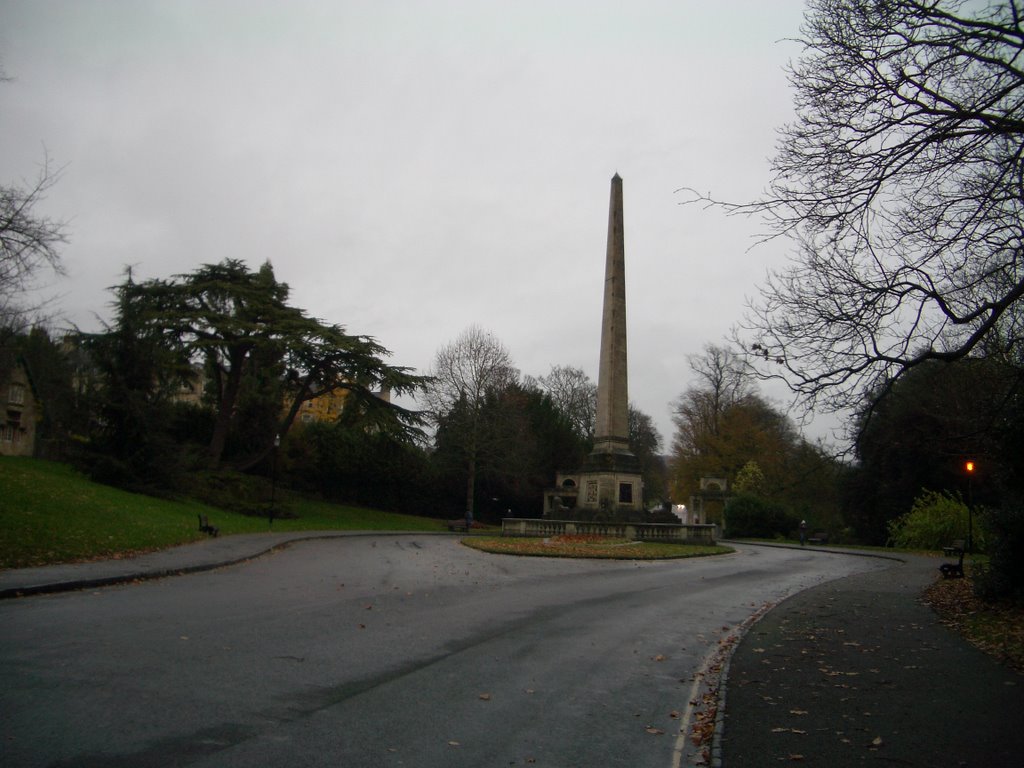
{"x":609,"y":486}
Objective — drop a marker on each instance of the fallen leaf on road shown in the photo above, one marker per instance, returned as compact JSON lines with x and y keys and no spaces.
{"x":659,"y":657}
{"x":653,"y":730}
{"x":877,"y":741}
{"x":798,"y":711}
{"x":485,"y":697}
{"x":454,"y":744}
{"x":674,"y":714}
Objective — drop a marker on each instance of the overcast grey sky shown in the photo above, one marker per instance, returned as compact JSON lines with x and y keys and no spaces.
{"x":412,"y":167}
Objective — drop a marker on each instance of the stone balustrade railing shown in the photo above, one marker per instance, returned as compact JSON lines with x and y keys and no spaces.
{"x":687,"y":534}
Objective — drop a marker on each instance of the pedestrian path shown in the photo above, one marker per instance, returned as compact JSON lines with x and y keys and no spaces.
{"x":859,"y":671}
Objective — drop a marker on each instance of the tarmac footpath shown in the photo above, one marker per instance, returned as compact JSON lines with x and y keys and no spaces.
{"x":859,"y":671}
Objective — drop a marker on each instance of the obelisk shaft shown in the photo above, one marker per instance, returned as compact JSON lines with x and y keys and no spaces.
{"x":611,"y":433}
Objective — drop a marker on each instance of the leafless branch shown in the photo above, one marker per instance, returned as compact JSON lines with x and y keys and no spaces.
{"x":901,"y":184}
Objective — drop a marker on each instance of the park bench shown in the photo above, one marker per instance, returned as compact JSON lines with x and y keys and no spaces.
{"x":953,"y":570}
{"x":205,"y":527}
{"x":458,"y":525}
{"x":954,"y":549}
{"x":818,"y":537}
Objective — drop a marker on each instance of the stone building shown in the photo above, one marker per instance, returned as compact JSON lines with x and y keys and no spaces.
{"x":22,"y":410}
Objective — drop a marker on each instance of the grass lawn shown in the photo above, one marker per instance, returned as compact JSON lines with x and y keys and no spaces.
{"x":49,"y":513}
{"x":590,"y":547}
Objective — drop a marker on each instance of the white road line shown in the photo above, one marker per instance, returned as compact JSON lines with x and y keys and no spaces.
{"x":684,"y":723}
{"x":718,"y":655}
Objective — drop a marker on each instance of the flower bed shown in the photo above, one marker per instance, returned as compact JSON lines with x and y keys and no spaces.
{"x":590,"y":546}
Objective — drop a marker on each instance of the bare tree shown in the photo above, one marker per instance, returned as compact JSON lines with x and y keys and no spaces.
{"x":722,"y":374}
{"x":901,"y":182}
{"x":722,"y":382}
{"x":463,"y":374}
{"x":722,"y":424}
{"x":574,"y":395}
{"x":28,"y":248}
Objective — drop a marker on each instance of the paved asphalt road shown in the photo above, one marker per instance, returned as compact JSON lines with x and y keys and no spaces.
{"x":389,"y":651}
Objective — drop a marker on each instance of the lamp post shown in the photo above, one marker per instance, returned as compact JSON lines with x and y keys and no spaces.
{"x":273,"y":478}
{"x":969,"y":468}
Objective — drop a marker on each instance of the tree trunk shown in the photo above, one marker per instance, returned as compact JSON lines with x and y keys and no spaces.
{"x":282,"y":430}
{"x":225,"y":410}
{"x":470,"y":486}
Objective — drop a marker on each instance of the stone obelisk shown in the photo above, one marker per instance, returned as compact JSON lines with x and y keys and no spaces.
{"x":611,"y":429}
{"x":611,"y":477}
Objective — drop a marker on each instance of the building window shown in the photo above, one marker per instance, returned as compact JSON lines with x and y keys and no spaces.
{"x":592,"y":491}
{"x":16,"y":394}
{"x":625,"y":493}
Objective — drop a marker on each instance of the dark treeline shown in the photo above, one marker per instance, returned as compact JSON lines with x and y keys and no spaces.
{"x":200,"y":385}
{"x":905,"y":472}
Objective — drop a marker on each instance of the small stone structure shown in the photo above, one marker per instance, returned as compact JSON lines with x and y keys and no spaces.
{"x":707,"y":505}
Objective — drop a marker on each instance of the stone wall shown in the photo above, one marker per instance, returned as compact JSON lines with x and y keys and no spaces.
{"x":686,"y":534}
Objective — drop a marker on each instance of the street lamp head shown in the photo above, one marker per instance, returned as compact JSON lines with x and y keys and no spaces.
{"x":969,"y":466}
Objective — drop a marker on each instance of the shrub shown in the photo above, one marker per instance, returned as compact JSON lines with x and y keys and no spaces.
{"x":246,"y":494}
{"x":749,"y":480}
{"x":747,"y":515}
{"x":935,"y":519}
{"x":1004,"y":577}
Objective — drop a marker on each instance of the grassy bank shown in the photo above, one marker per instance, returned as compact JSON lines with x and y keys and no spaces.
{"x":49,"y":513}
